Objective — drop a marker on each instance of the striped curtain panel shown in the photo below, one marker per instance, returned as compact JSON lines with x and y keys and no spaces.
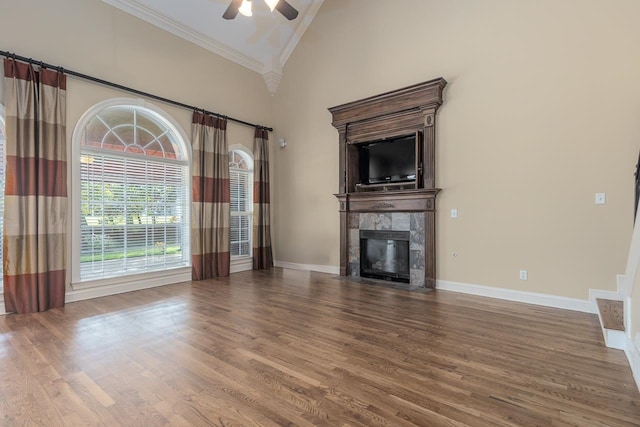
{"x":262,"y":256}
{"x":210,"y":214}
{"x":35,"y":201}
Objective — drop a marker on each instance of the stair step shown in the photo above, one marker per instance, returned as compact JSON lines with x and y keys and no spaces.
{"x":611,"y":313}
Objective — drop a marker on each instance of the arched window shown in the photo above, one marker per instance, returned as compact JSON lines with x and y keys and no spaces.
{"x":241,"y":182}
{"x":134,"y":192}
{"x":3,"y":162}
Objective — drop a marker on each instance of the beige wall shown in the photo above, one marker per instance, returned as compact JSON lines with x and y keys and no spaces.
{"x":94,"y":38}
{"x":541,"y":112}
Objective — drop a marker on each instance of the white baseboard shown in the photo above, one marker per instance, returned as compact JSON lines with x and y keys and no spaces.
{"x":621,"y":281}
{"x":632,"y":350}
{"x":600,"y":294}
{"x":547,"y":300}
{"x":614,"y":339}
{"x":331,"y":269}
{"x":617,"y":295}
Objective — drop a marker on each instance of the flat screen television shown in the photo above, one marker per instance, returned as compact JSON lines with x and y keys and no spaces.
{"x":388,"y":161}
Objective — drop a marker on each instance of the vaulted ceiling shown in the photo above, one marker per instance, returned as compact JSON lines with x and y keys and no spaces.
{"x":262,"y":42}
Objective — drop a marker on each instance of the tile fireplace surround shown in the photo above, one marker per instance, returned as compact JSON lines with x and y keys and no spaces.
{"x":395,"y":221}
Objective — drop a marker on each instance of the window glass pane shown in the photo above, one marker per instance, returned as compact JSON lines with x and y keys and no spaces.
{"x":146,"y":122}
{"x":240,"y":235}
{"x":145,"y":137}
{"x":131,"y":130}
{"x":111,"y":141}
{"x":169,"y":147}
{"x":154,"y":149}
{"x":245,"y":248}
{"x":94,"y":133}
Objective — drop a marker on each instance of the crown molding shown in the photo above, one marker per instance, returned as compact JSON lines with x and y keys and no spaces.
{"x":297,"y":35}
{"x":140,"y":10}
{"x":272,"y":80}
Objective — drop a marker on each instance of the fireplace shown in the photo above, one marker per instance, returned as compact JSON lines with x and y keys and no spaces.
{"x":386,"y":177}
{"x":385,"y":255}
{"x":401,"y":260}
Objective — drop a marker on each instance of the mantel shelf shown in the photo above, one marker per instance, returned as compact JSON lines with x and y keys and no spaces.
{"x":389,"y":201}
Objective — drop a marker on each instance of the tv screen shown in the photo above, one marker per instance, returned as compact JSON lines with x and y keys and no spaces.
{"x":391,"y":160}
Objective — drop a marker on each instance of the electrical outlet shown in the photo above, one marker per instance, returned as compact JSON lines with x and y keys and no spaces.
{"x":524,"y":275}
{"x":454,"y":213}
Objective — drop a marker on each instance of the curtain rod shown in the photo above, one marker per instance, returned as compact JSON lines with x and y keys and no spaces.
{"x":126,"y":89}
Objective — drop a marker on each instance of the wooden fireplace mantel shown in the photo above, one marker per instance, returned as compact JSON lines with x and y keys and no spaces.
{"x":410,"y":110}
{"x":404,"y":201}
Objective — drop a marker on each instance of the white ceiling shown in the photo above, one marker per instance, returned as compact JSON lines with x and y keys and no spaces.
{"x":262,"y":42}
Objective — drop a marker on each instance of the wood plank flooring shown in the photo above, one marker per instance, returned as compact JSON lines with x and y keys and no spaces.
{"x":292,"y":348}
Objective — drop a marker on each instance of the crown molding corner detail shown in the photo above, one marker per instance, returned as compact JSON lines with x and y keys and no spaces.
{"x":272,"y":79}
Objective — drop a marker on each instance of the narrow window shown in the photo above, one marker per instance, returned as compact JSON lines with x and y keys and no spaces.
{"x":241,"y":182}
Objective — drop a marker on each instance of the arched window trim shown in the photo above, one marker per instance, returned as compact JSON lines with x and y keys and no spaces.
{"x":245,"y":152}
{"x":244,"y":262}
{"x":129,"y":282}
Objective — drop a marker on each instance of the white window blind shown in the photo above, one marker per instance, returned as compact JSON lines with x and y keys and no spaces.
{"x":241,"y":183}
{"x":134,"y":198}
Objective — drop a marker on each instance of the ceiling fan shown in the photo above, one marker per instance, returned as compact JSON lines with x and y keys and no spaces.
{"x":244,"y":7}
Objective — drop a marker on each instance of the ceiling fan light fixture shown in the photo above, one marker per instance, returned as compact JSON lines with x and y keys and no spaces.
{"x":245,"y":8}
{"x":272,"y":4}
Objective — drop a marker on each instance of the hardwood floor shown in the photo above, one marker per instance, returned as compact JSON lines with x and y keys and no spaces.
{"x":294,"y":348}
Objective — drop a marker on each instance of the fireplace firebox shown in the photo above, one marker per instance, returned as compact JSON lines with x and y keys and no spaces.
{"x":385,"y":255}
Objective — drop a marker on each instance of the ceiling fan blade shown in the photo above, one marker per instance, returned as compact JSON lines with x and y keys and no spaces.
{"x":287,"y":10}
{"x":232,"y":10}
